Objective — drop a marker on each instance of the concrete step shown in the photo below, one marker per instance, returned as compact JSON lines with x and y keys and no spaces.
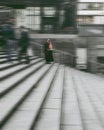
{"x":16,"y":79}
{"x":31,"y":106}
{"x":5,"y":56}
{"x":2,"y":52}
{"x":89,"y":114}
{"x":21,"y":92}
{"x":41,"y":96}
{"x":15,"y":69}
{"x":2,"y":61}
{"x":71,"y":116}
{"x":96,"y":96}
{"x":49,"y":116}
{"x":14,"y":63}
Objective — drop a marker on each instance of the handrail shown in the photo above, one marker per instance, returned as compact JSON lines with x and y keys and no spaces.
{"x":63,"y":52}
{"x":63,"y":57}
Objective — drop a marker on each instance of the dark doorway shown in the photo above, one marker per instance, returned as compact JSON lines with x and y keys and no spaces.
{"x":48,"y":24}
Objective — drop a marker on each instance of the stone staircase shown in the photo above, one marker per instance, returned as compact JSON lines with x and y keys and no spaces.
{"x":39,"y":96}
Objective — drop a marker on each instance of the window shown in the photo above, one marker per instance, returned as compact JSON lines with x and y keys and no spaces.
{"x":90,"y":6}
{"x":49,"y":11}
{"x":33,"y":18}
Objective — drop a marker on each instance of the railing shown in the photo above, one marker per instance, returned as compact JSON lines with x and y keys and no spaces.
{"x":59,"y":56}
{"x":67,"y":58}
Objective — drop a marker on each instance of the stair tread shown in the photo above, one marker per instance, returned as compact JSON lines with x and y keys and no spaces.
{"x":31,"y":105}
{"x":10,"y":100}
{"x":89,"y":116}
{"x":17,"y":77}
{"x":15,"y":68}
{"x":71,"y":117}
{"x":14,"y":63}
{"x":49,"y":116}
{"x":76,"y":105}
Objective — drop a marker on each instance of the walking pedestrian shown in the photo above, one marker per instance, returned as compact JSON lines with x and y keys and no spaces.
{"x":23,"y":45}
{"x":9,"y":36}
{"x":2,"y":40}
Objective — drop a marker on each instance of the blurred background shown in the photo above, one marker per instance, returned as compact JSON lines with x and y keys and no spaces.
{"x":75,"y":26}
{"x":56,"y":16}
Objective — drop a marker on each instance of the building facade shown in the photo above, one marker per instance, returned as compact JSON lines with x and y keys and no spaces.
{"x":45,"y":16}
{"x":90,"y":20}
{"x":90,"y":11}
{"x":90,"y":17}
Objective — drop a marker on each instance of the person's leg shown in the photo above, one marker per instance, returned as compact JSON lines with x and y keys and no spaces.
{"x":20,"y":55}
{"x":47,"y":57}
{"x":9,"y":50}
{"x":27,"y":60}
{"x":51,"y":56}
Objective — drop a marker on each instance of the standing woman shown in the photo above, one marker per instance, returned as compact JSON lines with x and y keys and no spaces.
{"x":48,"y":51}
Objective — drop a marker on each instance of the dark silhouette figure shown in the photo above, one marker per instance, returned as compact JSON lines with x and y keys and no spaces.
{"x":69,"y":17}
{"x":23,"y":45}
{"x":48,"y":53}
{"x":2,"y":40}
{"x":8,"y":38}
